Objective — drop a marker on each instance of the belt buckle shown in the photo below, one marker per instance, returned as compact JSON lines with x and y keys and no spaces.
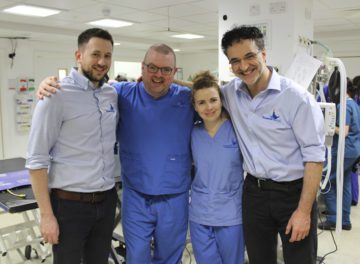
{"x":93,"y":196}
{"x":259,"y":180}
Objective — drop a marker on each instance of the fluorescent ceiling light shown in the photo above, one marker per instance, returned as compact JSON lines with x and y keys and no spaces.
{"x":112,"y":23}
{"x":176,"y":50}
{"x":117,"y":43}
{"x":188,"y":36}
{"x":26,"y":10}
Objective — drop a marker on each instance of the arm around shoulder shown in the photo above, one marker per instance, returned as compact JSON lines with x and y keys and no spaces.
{"x":183,"y":83}
{"x":47,"y":87}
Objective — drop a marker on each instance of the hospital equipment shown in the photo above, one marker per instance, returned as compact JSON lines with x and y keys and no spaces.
{"x":329,"y":64}
{"x":329,"y":111}
{"x":21,"y":235}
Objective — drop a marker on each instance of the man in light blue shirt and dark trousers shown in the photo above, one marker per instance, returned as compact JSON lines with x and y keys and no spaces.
{"x":71,"y":157}
{"x":280,"y":131}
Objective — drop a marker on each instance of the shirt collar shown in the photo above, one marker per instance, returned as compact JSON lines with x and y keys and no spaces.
{"x":274,"y":83}
{"x":82,"y":81}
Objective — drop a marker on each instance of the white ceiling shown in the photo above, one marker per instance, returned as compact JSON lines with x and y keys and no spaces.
{"x":157,"y":20}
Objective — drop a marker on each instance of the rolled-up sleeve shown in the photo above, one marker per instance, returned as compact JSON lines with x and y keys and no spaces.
{"x":308,"y":127}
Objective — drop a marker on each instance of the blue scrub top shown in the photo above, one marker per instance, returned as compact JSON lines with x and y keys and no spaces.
{"x":217,"y":187}
{"x":352,"y":140}
{"x":154,"y":137}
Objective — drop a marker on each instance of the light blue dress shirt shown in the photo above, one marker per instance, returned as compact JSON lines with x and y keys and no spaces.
{"x":73,"y":135}
{"x":278,"y":130}
{"x":217,"y":187}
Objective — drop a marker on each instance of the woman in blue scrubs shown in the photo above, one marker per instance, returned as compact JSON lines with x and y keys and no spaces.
{"x":352,"y":154}
{"x":215,"y":206}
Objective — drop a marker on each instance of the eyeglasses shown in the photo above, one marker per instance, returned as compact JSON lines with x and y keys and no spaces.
{"x":154,"y":69}
{"x":251,"y":56}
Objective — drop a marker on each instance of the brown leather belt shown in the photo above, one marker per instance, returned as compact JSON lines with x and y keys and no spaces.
{"x":267,"y":184}
{"x":94,"y":197}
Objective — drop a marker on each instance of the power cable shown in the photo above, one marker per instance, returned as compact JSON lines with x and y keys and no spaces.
{"x":188,"y":251}
{"x":321,"y":259}
{"x":13,"y":51}
{"x":13,"y":41}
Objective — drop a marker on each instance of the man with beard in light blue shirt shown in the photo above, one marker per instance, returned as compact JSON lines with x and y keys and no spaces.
{"x":70,"y":157}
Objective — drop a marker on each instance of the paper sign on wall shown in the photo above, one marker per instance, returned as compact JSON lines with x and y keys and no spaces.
{"x":303,"y":69}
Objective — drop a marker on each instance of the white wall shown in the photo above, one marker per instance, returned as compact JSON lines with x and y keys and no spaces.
{"x":14,"y":143}
{"x":195,"y":62}
{"x":282,"y":29}
{"x":352,"y":65}
{"x":32,"y":59}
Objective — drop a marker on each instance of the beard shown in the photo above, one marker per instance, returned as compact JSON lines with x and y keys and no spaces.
{"x":88,"y":74}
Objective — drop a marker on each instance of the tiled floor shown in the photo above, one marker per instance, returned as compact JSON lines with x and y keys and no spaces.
{"x":347,"y":243}
{"x":348,"y":251}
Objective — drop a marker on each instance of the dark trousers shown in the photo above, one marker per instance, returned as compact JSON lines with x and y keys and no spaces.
{"x":265,"y":215}
{"x":85,"y":230}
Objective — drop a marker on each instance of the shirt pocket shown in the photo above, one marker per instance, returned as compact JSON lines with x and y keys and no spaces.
{"x":178,"y":165}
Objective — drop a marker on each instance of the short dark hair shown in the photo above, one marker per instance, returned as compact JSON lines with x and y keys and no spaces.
{"x":334,"y":87}
{"x":86,"y":35}
{"x":356,"y":81}
{"x":353,"y":87}
{"x":238,"y":33}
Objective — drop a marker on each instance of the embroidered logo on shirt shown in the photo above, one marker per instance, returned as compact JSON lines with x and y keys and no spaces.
{"x":233,"y":144}
{"x":111,"y":109}
{"x":273,"y":116}
{"x":180,"y":104}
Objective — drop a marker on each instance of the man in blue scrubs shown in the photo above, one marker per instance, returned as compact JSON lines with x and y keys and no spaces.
{"x":155,"y":124}
{"x":154,"y":131}
{"x":280,"y":131}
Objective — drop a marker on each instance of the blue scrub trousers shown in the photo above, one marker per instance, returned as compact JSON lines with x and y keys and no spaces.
{"x":354,"y":188}
{"x":163,"y":218}
{"x":330,"y":197}
{"x":217,"y":244}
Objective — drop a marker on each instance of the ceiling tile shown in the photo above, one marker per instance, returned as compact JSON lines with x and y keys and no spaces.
{"x":344,"y":4}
